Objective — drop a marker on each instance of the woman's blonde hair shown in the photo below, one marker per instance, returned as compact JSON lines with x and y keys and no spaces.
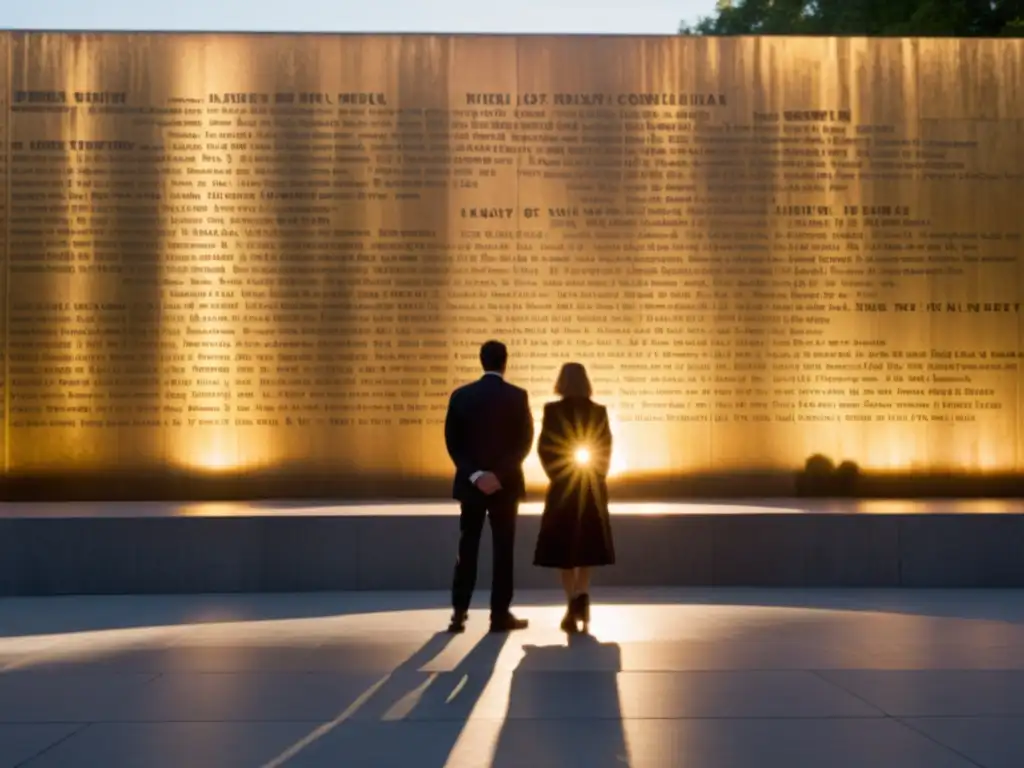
{"x":573,"y":381}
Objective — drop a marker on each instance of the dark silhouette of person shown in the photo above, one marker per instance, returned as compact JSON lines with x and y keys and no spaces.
{"x":575,"y":449}
{"x":409,"y":693}
{"x":488,"y":432}
{"x":562,"y":691}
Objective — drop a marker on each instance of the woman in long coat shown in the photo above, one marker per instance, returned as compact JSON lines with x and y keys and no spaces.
{"x":575,"y":449}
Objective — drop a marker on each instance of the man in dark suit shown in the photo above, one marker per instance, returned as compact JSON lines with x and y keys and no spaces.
{"x":488,"y":432}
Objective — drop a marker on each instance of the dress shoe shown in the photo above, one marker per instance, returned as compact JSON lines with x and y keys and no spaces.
{"x":458,"y":622}
{"x":508,"y":623}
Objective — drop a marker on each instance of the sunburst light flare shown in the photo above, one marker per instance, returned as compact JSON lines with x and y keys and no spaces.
{"x":582,"y":456}
{"x":617,"y":466}
{"x":580,"y":453}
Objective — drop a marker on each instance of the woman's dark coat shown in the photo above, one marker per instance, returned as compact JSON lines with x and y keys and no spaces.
{"x":575,"y":530}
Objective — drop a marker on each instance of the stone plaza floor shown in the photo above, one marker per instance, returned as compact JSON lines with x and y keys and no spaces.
{"x":720,"y":678}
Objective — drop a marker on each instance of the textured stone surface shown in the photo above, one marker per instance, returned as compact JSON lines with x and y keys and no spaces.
{"x":147,"y":549}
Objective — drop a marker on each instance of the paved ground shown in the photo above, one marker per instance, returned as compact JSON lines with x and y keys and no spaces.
{"x":692,"y":678}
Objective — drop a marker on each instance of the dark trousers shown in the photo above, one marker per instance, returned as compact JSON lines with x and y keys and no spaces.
{"x":501,"y":510}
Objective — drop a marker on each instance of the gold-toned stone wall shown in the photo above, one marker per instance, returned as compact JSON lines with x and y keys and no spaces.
{"x":228,"y":253}
{"x":4,"y":235}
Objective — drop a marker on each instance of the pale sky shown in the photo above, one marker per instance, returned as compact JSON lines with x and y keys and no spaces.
{"x":656,"y":17}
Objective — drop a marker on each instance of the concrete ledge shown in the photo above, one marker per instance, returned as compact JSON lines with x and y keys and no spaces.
{"x":147,"y":555}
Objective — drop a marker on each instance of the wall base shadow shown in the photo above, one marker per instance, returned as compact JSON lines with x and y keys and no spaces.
{"x":299,"y":483}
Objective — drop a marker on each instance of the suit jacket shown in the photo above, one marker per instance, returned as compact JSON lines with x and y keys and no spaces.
{"x":488,"y":428}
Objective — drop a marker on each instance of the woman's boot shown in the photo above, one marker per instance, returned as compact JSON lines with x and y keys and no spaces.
{"x":583,"y":610}
{"x":569,"y":622}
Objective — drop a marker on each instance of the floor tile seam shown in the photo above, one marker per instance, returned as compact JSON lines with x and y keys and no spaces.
{"x":262,"y":671}
{"x":482,"y":718}
{"x":153,"y":677}
{"x":335,"y":672}
{"x":706,"y":671}
{"x":897,"y":715}
{"x":142,"y":677}
{"x":1014,"y":714}
{"x":839,"y":687}
{"x":49,"y":722}
{"x":628,"y":672}
{"x":1003,"y":716}
{"x":75,"y":732}
{"x":928,"y":737}
{"x":560,"y":718}
{"x":917,"y":670}
{"x":644,"y":718}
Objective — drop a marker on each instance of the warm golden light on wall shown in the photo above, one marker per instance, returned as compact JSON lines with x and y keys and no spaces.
{"x":238,"y":293}
{"x":213,"y":458}
{"x":209,"y":440}
{"x":620,"y":447}
{"x":896,"y":454}
{"x":892,"y":456}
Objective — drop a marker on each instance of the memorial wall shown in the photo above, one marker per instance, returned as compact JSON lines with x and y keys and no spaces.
{"x":279,"y":253}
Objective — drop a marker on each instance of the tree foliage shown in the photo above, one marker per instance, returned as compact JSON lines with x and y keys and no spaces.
{"x":924,"y":18}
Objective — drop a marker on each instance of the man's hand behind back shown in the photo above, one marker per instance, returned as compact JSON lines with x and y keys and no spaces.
{"x":488,"y":483}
